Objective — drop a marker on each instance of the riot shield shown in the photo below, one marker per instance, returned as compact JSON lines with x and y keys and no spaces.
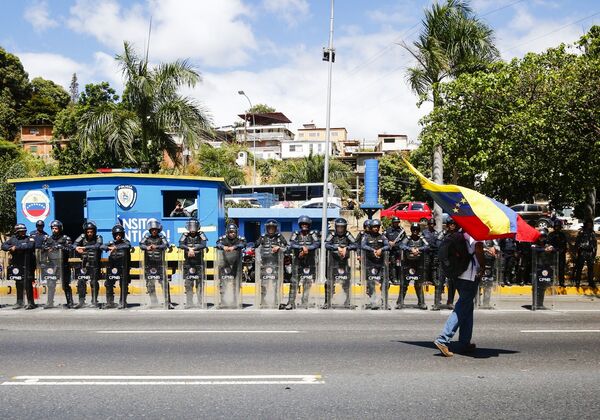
{"x":50,"y":275}
{"x":413,"y":270}
{"x":339,"y":287}
{"x":269,"y":279}
{"x":544,"y":276}
{"x":228,"y":279}
{"x":375,"y":280}
{"x":153,"y":273}
{"x":192,"y":282}
{"x":7,"y":286}
{"x":489,"y":284}
{"x":304,"y":282}
{"x":117,"y":282}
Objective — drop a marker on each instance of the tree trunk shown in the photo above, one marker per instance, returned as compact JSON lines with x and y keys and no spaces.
{"x":589,"y":209}
{"x":438,"y":176}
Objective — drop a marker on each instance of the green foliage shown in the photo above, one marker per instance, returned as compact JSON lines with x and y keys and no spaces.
{"x":140,"y":128}
{"x":15,"y":90}
{"x":220,"y":162}
{"x":525,"y":127}
{"x":260,"y":109}
{"x":396,"y":183}
{"x":47,"y":100}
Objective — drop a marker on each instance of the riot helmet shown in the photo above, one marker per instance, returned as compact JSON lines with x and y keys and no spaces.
{"x":415,"y":227}
{"x":40,"y":224}
{"x":271,"y":227}
{"x":375,"y":225}
{"x":395,"y":221}
{"x":341,"y":225}
{"x":192,"y":226}
{"x":304,"y":223}
{"x":90,"y":226}
{"x":367,"y":225}
{"x":154,"y":224}
{"x":20,"y":229}
{"x":118,"y":230}
{"x":232,"y":230}
{"x":56,"y":224}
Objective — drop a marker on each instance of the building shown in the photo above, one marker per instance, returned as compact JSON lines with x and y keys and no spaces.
{"x":312,"y":132}
{"x":37,"y":140}
{"x":394,"y":143}
{"x":263,"y":134}
{"x":301,"y":148}
{"x":126,"y":198}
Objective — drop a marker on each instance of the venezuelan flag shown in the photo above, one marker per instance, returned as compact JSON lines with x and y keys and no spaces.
{"x":481,"y":217}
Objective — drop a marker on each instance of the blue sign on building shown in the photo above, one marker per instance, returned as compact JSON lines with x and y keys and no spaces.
{"x":129,"y":199}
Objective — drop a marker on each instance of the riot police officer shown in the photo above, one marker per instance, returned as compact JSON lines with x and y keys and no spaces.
{"x":57,"y":247}
{"x":361,"y":234}
{"x":21,"y":248}
{"x":544,"y":258}
{"x":510,"y":257}
{"x":38,"y":234}
{"x":374,"y":247}
{"x":395,"y":235}
{"x":586,"y":247}
{"x":88,"y":247}
{"x":119,"y":261}
{"x":524,"y":267}
{"x":452,"y":229}
{"x":415,"y":247}
{"x":155,"y":244}
{"x":339,"y":244}
{"x":271,"y":246}
{"x":432,"y":271}
{"x":491,"y":250}
{"x":303,"y":245}
{"x":193,"y":243}
{"x":559,"y":242}
{"x":231,"y":244}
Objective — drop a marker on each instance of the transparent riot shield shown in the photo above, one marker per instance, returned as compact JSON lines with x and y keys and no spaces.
{"x":375,"y":280}
{"x":489,"y":284}
{"x":117,"y":280}
{"x":50,"y":276}
{"x":305,"y":290}
{"x":7,"y":287}
{"x":544,"y":278}
{"x":192,"y":281}
{"x":154,"y":277}
{"x":228,"y":279}
{"x":413,"y":271}
{"x":269,"y":279}
{"x":339,"y":287}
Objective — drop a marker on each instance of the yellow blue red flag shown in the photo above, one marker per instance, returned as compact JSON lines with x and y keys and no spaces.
{"x":481,"y":217}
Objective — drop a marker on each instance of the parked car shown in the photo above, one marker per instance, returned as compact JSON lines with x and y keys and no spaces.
{"x":536,"y":214}
{"x":412,"y":211}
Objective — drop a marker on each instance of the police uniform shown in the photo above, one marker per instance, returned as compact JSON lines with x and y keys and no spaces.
{"x":193,"y":267}
{"x":119,"y":261}
{"x":586,"y":247}
{"x":21,"y":267}
{"x":396,"y":235}
{"x":154,"y":264}
{"x":231,"y":265}
{"x":264,"y":245}
{"x":303,"y":267}
{"x":89,"y":268}
{"x":338,"y":265}
{"x":370,"y":242}
{"x":508,"y":246}
{"x":414,"y":265}
{"x":56,"y":249}
{"x":432,"y":266}
{"x":558,"y":240}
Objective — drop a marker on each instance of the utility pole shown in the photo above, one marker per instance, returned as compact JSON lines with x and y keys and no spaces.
{"x":328,"y":55}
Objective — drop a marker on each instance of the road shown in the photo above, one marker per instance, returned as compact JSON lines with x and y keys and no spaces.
{"x":301,"y":364}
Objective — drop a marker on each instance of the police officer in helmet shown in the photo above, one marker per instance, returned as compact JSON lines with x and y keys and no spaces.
{"x":303,"y":244}
{"x":395,"y":235}
{"x":586,"y":247}
{"x":155,"y":244}
{"x":232,"y":246}
{"x":88,"y":247}
{"x":193,"y":242}
{"x":374,"y":246}
{"x":57,"y":247}
{"x":339,"y":244}
{"x":119,"y":261}
{"x":414,"y":247}
{"x":270,"y":245}
{"x":21,"y":248}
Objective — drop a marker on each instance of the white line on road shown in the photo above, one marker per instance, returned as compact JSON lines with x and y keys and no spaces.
{"x":198,"y":332}
{"x":85,"y":380}
{"x":560,"y":331}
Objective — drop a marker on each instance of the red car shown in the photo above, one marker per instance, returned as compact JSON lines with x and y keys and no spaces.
{"x":412,"y":211}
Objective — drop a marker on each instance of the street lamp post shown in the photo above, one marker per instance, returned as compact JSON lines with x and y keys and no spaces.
{"x":241,"y":92}
{"x":329,"y":56}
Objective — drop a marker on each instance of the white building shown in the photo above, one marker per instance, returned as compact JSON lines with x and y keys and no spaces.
{"x":263,"y":134}
{"x":301,"y":148}
{"x":394,"y":143}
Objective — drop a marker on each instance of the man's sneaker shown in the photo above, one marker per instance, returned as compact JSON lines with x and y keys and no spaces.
{"x":443,"y":348}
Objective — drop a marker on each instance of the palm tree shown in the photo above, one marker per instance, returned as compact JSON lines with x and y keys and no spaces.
{"x":152,"y":112}
{"x":453,"y":41}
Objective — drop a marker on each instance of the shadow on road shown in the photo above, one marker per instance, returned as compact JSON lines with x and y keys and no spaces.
{"x":479,"y":353}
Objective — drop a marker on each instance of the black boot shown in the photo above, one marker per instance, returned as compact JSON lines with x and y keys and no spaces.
{"x":420,"y":297}
{"x":110,"y":301}
{"x":69,"y":297}
{"x":401,"y":296}
{"x":437,"y":299}
{"x":292,"y":296}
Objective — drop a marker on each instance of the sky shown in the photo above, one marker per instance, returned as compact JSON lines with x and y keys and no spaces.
{"x":272,"y":49}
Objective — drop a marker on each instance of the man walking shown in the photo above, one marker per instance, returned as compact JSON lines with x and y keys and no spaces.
{"x":465,"y":252}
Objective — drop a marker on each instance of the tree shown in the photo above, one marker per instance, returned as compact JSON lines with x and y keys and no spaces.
{"x":453,"y":41}
{"x":260,"y":109}
{"x":523,"y":128}
{"x":47,"y":100}
{"x":15,"y":90}
{"x":218,"y":162}
{"x":396,"y":182}
{"x":142,"y":126}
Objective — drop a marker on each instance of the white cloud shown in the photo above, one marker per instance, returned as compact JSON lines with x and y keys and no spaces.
{"x":291,"y":11}
{"x":38,"y":16}
{"x":53,"y":67}
{"x":211,"y":32}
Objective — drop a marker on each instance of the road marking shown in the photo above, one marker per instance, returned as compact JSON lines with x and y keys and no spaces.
{"x":198,"y":332}
{"x":560,"y":331}
{"x":85,"y":380}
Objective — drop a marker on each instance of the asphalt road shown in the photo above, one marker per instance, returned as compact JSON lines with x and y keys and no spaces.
{"x":302,"y":364}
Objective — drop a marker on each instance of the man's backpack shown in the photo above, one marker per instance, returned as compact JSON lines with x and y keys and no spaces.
{"x":454,"y":255}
